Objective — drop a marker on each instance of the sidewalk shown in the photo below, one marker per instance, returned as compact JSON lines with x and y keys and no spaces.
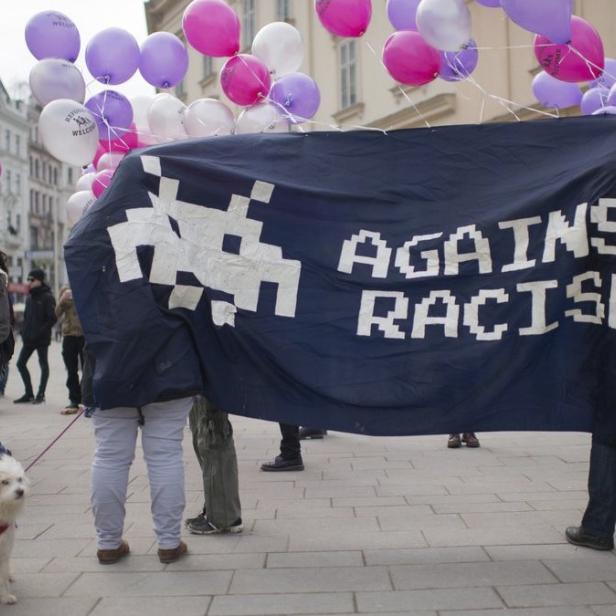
{"x":372,"y":526}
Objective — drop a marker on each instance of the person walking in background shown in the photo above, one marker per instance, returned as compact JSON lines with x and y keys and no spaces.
{"x":212,"y":435}
{"x":39,"y":319}
{"x":7,"y":341}
{"x":72,"y":348}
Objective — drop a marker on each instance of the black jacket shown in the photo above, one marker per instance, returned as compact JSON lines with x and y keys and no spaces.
{"x":39,"y":317}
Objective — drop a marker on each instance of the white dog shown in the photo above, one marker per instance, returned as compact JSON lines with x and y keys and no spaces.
{"x":13,"y":490}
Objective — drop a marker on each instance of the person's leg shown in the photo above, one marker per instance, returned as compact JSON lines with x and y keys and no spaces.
{"x":4,"y":377}
{"x":70,"y":354}
{"x":44,"y":364}
{"x":600,"y":516}
{"x":115,"y":432}
{"x":163,"y":430}
{"x":22,"y":362}
{"x":290,"y":447}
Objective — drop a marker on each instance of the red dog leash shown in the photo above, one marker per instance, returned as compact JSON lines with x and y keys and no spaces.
{"x":54,"y":441}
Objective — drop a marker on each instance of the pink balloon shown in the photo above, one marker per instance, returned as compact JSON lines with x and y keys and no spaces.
{"x":580,"y":60}
{"x":212,"y":28}
{"x":245,"y":79}
{"x":409,"y":59}
{"x":344,"y":17}
{"x":128,"y":141}
{"x":101,"y":181}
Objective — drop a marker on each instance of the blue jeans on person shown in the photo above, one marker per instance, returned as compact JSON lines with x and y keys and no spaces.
{"x":600,"y":516}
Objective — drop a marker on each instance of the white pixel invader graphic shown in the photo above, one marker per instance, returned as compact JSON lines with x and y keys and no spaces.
{"x":198,"y":249}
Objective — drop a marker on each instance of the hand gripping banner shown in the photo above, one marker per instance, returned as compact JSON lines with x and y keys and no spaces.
{"x":423,"y":281}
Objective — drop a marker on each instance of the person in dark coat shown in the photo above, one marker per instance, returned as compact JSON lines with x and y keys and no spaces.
{"x":39,"y":319}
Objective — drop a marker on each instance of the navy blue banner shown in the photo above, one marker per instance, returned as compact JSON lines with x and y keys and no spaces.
{"x":424,"y":281}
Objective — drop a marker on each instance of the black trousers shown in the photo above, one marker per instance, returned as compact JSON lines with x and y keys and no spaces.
{"x":22,"y":362}
{"x":600,"y":516}
{"x":72,"y":353}
{"x":290,"y":447}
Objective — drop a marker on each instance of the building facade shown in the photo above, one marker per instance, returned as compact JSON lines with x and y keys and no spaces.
{"x":14,"y":131}
{"x":356,"y":90}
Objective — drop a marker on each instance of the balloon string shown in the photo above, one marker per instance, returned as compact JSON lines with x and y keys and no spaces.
{"x":406,"y":96}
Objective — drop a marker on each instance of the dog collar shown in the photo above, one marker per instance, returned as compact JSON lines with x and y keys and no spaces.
{"x":4,"y":527}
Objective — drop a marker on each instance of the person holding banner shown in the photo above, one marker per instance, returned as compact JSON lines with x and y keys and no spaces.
{"x":469,"y":438}
{"x":290,"y":458}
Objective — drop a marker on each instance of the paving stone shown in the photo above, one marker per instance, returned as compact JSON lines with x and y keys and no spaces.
{"x":282,"y":604}
{"x":28,"y":565}
{"x":564,"y":551}
{"x":604,"y":610}
{"x":344,"y":540}
{"x":310,"y":580}
{"x":370,"y":501}
{"x":439,"y":599}
{"x":546,"y":595}
{"x":583,"y":570}
{"x":152,"y":606}
{"x":425,"y":556}
{"x":492,"y":536}
{"x":50,"y":607}
{"x":42,"y":584}
{"x":460,"y":575}
{"x":534,"y":611}
{"x":218,"y":562}
{"x":481,"y":507}
{"x":42,"y":548}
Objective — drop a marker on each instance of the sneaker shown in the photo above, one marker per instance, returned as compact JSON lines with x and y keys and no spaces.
{"x":577,"y":535}
{"x":454,"y":441}
{"x":280,"y":464}
{"x":202,"y":526}
{"x":470,"y":439}
{"x":71,"y":409}
{"x":311,"y":433}
{"x":109,"y":557}
{"x":173,"y":554}
{"x":24,"y":399}
{"x":39,"y":399}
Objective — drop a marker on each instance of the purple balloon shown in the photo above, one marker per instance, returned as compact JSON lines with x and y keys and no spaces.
{"x":493,"y":4}
{"x":594,"y":99}
{"x":458,"y":65}
{"x":401,"y":13}
{"x":51,"y":34}
{"x":298,"y":94}
{"x":112,"y":56}
{"x":554,"y":93}
{"x":112,"y":111}
{"x":608,"y":77}
{"x":164,"y":60}
{"x":552,"y":18}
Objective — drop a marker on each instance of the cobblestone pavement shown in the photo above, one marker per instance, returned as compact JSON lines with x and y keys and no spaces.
{"x":372,"y":526}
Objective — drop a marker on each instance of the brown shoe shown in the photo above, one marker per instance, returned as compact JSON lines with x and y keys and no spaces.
{"x":109,"y":557}
{"x":453,"y":442}
{"x":170,"y":556}
{"x":470,"y":439}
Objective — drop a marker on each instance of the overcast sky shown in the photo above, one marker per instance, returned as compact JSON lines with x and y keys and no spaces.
{"x":89,"y":17}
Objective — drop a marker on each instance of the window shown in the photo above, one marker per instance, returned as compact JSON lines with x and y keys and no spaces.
{"x":31,"y":200}
{"x":44,"y":170}
{"x":44,"y":203}
{"x":8,"y":180}
{"x":36,"y":201}
{"x":36,"y":167}
{"x":7,"y":140}
{"x":348,"y":74}
{"x":18,"y":183}
{"x":17,"y":145}
{"x":284,"y":10}
{"x":180,"y":90}
{"x":34,"y":238}
{"x":55,"y":176}
{"x":18,"y":223}
{"x":31,"y":166}
{"x":249,"y":19}
{"x":208,"y":67}
{"x":70,"y":175}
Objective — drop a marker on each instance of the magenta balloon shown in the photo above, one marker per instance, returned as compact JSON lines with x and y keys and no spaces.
{"x":409,"y":59}
{"x":551,"y":18}
{"x":128,"y":141}
{"x":245,"y":79}
{"x":164,"y":60}
{"x":458,"y":65}
{"x":102,"y":181}
{"x":608,"y":77}
{"x":298,"y":94}
{"x":581,"y":60}
{"x":51,"y":34}
{"x":401,"y":13}
{"x":553,"y":93}
{"x":348,"y":18}
{"x":493,"y":4}
{"x":212,"y":28}
{"x":593,"y":99}
{"x":112,"y":56}
{"x":112,"y":111}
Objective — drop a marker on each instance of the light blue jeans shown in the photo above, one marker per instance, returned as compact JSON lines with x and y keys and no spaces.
{"x":115,"y":431}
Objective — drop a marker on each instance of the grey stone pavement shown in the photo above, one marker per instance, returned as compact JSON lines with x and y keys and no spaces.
{"x":372,"y":526}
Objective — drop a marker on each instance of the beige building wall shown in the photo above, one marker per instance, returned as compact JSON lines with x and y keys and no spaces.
{"x":380,"y":101}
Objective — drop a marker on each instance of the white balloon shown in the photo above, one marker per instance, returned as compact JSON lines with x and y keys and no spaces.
{"x":444,"y":24}
{"x":206,"y":117}
{"x":261,"y":118}
{"x":141,"y":106}
{"x":85,"y":181}
{"x":69,"y":132}
{"x":279,"y":45}
{"x":166,"y":117}
{"x":78,"y":204}
{"x":110,"y":160}
{"x":52,"y":79}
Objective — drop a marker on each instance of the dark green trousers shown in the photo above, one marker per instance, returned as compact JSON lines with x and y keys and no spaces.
{"x":213,"y":443}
